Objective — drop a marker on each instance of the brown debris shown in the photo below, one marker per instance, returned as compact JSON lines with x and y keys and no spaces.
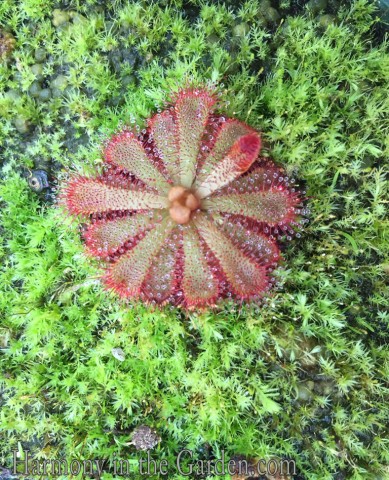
{"x":7,"y":44}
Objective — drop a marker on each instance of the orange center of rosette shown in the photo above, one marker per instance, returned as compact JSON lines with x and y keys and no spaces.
{"x":182,"y":203}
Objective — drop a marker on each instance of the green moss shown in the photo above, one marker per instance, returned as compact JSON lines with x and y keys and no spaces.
{"x":303,"y":376}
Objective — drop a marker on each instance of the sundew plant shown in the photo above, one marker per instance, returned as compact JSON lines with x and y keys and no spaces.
{"x":185,"y":211}
{"x":300,"y":375}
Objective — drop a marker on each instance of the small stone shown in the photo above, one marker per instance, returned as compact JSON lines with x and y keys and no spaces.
{"x":241,"y":30}
{"x":263,"y":4}
{"x":60,"y":82}
{"x":22,"y":125}
{"x":213,"y":39}
{"x":145,"y":438}
{"x":118,"y":354}
{"x":128,"y":80}
{"x":45,"y":94}
{"x":18,"y":77}
{"x":304,"y":394}
{"x":38,"y":180}
{"x":35,"y":89}
{"x":37,"y":70}
{"x":78,"y":18}
{"x":272,"y":15}
{"x":311,"y":385}
{"x":56,"y":92}
{"x":327,"y":20}
{"x":60,"y":17}
{"x":40,"y":55}
{"x":327,"y":388}
{"x":316,"y":6}
{"x":261,"y":21}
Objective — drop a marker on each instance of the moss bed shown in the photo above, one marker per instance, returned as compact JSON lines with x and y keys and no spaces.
{"x":303,"y":376}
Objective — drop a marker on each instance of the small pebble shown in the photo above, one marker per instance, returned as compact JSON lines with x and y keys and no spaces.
{"x":18,"y":77}
{"x":45,"y":94}
{"x":128,"y":79}
{"x":327,"y":388}
{"x":326,"y":20}
{"x":261,"y":20}
{"x":40,"y":54}
{"x":60,"y":17}
{"x":59,"y":82}
{"x":37,"y":70}
{"x":272,"y":15}
{"x":304,"y":394}
{"x":118,"y":354}
{"x":78,"y":18}
{"x":316,"y":6}
{"x":213,"y":39}
{"x":22,"y":125}
{"x":263,"y":4}
{"x":56,"y":92}
{"x":241,"y":30}
{"x":35,"y":89}
{"x":38,"y":180}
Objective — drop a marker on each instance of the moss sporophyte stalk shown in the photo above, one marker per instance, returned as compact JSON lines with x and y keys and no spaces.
{"x":187,"y":212}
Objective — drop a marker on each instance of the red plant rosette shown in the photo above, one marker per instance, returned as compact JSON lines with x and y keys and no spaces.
{"x":186,"y":212}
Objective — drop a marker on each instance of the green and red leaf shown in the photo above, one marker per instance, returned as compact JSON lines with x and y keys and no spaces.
{"x":247,"y":278}
{"x":198,"y":282}
{"x":192,"y":110}
{"x":85,"y":196}
{"x":126,"y":151}
{"x":127,"y":274}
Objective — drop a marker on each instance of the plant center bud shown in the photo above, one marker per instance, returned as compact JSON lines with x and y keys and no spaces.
{"x":182,"y":203}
